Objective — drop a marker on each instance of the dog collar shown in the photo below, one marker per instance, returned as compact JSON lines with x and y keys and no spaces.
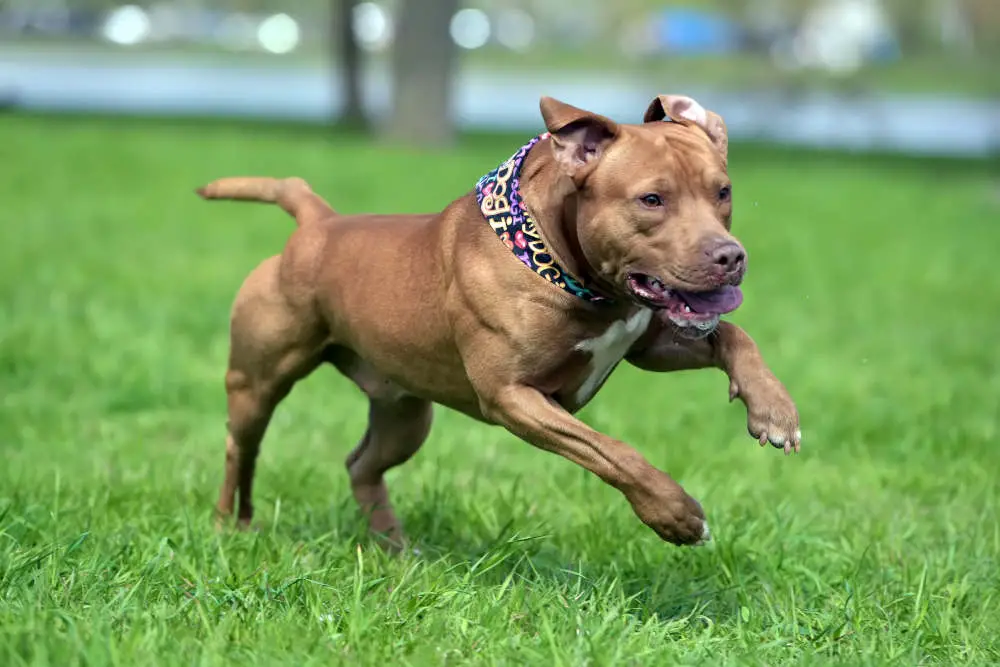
{"x":499,"y":197}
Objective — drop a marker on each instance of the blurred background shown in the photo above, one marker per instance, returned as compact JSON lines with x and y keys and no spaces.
{"x":913,"y":76}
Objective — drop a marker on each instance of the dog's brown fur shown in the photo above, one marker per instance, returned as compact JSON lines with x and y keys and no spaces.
{"x":457,"y":320}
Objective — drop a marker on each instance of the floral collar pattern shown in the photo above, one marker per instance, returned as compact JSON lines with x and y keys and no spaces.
{"x":499,"y":197}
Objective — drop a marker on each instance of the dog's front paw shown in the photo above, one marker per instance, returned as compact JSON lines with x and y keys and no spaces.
{"x":771,"y":413}
{"x":674,"y":515}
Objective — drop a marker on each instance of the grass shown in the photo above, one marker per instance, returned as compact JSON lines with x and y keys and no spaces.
{"x":872,"y":292}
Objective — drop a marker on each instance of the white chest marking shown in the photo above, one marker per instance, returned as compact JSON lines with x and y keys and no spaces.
{"x":608,"y":349}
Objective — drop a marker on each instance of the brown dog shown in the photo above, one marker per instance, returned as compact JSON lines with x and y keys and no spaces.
{"x":629,"y":224}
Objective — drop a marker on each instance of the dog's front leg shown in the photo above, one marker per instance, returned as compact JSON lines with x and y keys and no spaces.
{"x":771,"y":413}
{"x":657,"y":499}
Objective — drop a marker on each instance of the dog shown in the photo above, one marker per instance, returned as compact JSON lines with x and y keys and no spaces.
{"x":596,"y":242}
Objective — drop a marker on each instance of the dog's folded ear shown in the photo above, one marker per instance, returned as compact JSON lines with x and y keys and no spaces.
{"x":681,"y":108}
{"x":579,"y":137}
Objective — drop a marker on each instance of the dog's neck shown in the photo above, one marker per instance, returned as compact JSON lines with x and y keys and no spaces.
{"x":552,"y":200}
{"x":534,"y":212}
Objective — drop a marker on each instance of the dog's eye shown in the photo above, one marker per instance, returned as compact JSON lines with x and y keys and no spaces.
{"x":725,"y":193}
{"x":651,"y":200}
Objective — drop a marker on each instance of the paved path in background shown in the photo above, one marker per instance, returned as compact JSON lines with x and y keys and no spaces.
{"x":507,"y":101}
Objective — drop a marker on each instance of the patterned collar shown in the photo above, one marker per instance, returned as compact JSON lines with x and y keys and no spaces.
{"x":499,"y":197}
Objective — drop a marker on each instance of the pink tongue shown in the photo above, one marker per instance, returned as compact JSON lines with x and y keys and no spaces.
{"x":717,"y":302}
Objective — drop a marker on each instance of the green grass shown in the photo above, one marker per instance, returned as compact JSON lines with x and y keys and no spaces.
{"x":872,"y":291}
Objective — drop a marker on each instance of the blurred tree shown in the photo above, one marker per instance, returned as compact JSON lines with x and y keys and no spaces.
{"x":985,"y":15}
{"x":423,"y":64}
{"x":348,"y":57}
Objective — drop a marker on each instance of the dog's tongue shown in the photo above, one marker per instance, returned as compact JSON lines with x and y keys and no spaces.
{"x":717,"y":302}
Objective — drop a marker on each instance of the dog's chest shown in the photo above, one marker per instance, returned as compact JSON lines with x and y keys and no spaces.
{"x":607,"y":349}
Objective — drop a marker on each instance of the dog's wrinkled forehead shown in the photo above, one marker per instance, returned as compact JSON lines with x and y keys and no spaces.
{"x":676,"y":152}
{"x":684,"y":141}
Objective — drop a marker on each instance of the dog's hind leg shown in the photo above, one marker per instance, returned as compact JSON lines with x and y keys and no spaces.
{"x":397,"y":427}
{"x":273,"y":344}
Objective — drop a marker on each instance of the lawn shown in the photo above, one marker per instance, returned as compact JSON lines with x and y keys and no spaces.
{"x":872,"y":291}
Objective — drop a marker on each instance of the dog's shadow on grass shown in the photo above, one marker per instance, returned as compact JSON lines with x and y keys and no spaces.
{"x":649,"y":578}
{"x":652,"y":580}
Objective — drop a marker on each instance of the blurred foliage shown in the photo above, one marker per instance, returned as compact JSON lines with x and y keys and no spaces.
{"x":946,"y":46}
{"x":918,"y":22}
{"x":916,"y":15}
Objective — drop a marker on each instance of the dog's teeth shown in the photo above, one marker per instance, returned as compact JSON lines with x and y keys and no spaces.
{"x":687,"y":308}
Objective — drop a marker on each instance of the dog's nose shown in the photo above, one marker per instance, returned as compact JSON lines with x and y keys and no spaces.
{"x":729,"y":259}
{"x":729,"y":256}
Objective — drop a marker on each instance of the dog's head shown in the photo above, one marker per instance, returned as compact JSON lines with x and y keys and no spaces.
{"x":654,"y":205}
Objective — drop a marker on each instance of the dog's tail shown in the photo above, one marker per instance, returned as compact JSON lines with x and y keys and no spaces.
{"x":292,"y":194}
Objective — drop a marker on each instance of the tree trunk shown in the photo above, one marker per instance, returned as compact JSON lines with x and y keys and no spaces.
{"x":423,"y":64}
{"x":347,"y":55}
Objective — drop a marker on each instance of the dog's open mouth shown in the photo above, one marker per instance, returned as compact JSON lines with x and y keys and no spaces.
{"x":686,"y":309}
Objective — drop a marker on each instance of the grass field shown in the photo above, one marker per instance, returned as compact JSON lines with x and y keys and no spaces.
{"x":872,"y":291}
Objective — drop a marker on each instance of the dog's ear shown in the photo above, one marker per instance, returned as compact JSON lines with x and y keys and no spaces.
{"x":681,"y":107}
{"x":579,"y":137}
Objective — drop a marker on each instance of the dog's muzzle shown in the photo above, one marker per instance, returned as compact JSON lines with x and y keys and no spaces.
{"x":697,"y":311}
